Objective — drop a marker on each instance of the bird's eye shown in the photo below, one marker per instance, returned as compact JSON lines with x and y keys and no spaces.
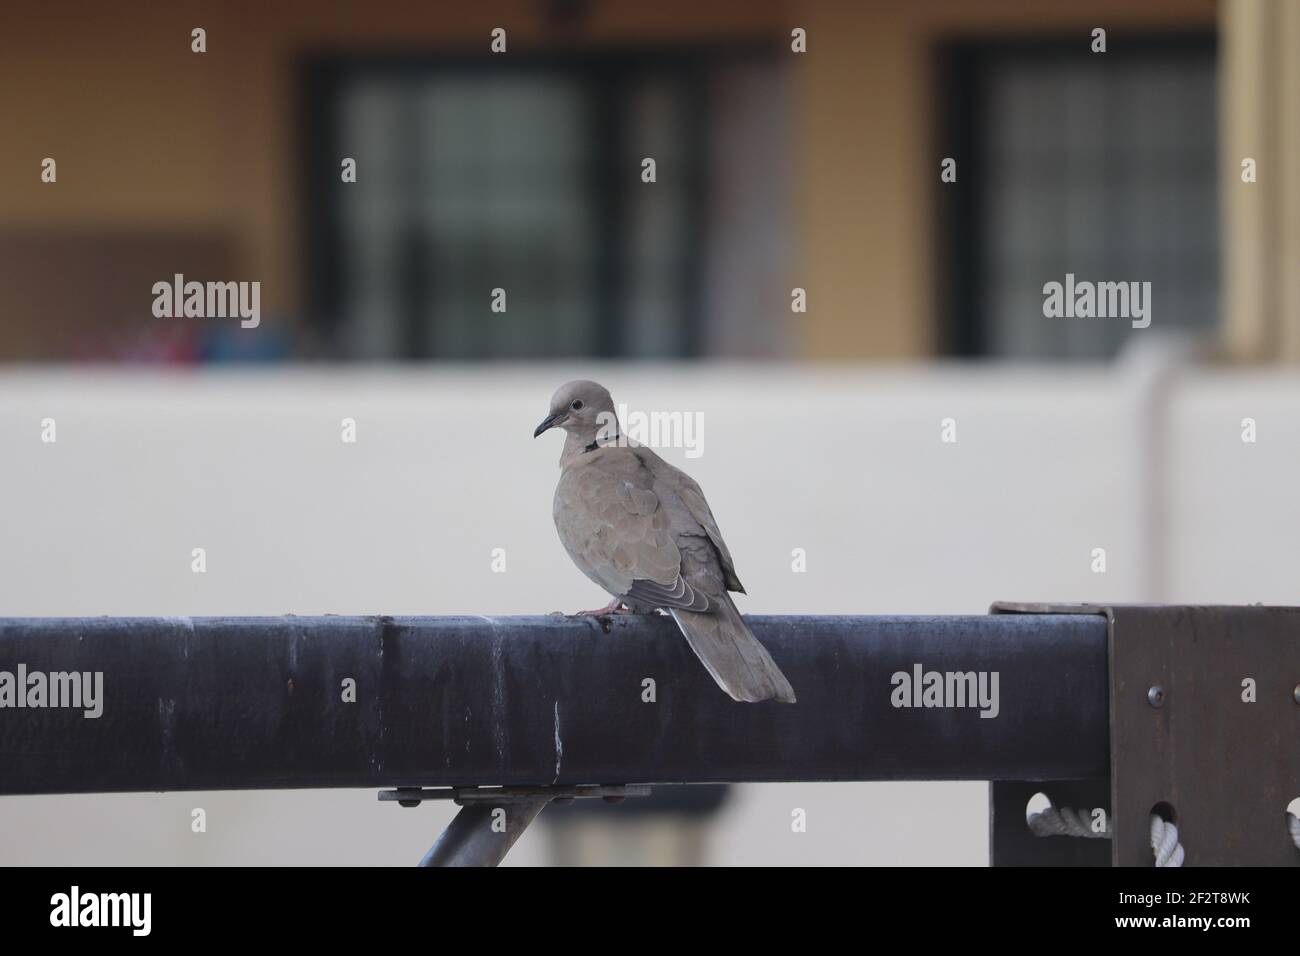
{"x":576,"y":404}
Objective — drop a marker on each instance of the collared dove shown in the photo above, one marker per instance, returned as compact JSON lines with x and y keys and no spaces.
{"x":641,"y":529}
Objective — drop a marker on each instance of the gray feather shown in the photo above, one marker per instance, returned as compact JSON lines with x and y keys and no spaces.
{"x":644,"y":532}
{"x":733,"y":655}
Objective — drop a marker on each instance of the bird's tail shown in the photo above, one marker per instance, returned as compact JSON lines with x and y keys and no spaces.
{"x":738,"y":662}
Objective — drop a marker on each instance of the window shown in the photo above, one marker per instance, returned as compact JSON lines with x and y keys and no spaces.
{"x":474,"y":176}
{"x":1100,"y":165}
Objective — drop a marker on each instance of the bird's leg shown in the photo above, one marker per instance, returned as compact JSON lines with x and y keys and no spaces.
{"x":615,"y":606}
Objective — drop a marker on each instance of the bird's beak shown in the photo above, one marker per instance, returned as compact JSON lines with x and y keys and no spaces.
{"x":550,"y":421}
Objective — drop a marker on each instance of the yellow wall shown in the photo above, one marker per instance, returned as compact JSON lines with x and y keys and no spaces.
{"x":149,"y":136}
{"x":870,"y":173}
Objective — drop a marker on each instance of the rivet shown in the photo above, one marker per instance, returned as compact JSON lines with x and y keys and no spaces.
{"x":1156,"y":696}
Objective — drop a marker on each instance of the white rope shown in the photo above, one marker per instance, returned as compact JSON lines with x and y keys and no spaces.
{"x":1164,"y":834}
{"x":1164,"y":842}
{"x":1065,"y":822}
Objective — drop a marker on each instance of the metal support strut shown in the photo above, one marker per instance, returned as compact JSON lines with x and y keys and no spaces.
{"x":492,"y":819}
{"x":1204,"y":721}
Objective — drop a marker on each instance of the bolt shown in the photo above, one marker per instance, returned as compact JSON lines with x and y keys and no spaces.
{"x":1156,"y":696}
{"x":1295,"y":694}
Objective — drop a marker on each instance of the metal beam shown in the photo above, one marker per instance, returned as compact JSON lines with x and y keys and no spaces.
{"x":247,"y":703}
{"x":1204,"y":726}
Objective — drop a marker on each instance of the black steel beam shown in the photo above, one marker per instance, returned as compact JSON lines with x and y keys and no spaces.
{"x":245,"y":703}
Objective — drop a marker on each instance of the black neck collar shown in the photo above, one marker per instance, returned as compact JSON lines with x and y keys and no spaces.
{"x":596,"y":444}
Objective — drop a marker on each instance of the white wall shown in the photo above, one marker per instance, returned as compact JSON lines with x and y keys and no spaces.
{"x":1049,"y":463}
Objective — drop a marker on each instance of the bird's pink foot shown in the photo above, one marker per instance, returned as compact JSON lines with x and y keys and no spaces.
{"x":613,"y":607}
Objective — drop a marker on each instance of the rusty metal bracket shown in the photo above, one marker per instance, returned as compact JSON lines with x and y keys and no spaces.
{"x":492,"y":819}
{"x":1204,"y":729}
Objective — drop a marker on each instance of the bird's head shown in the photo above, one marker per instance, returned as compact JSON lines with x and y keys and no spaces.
{"x":581,"y":408}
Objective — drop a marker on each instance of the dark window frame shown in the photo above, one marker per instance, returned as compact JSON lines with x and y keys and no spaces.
{"x":963,"y":75}
{"x":606,"y":72}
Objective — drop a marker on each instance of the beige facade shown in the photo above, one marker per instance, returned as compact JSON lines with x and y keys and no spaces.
{"x":156,"y":144}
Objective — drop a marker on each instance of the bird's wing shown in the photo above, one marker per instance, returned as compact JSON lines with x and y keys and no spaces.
{"x":698,"y":518}
{"x":617,"y":531}
{"x":629,"y":520}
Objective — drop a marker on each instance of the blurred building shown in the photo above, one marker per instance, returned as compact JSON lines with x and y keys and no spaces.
{"x":775,"y":171}
{"x":521,"y":171}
